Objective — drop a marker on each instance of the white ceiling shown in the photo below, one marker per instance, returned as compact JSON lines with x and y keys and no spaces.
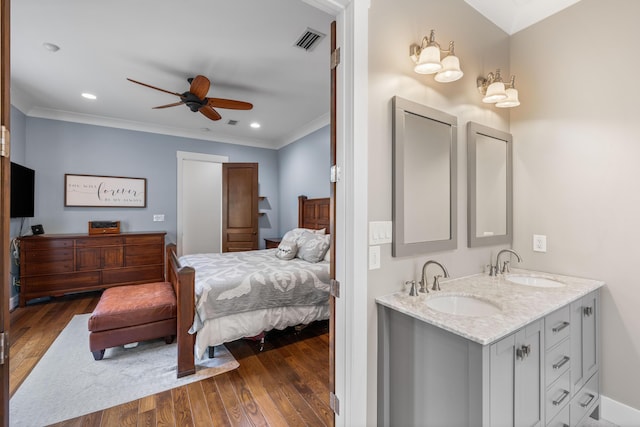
{"x":515,"y":15}
{"x":245,"y":47}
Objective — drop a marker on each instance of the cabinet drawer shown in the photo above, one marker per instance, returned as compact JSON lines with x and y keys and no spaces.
{"x":584,"y":400}
{"x":34,"y":257}
{"x":61,"y":282}
{"x":99,"y":241}
{"x":558,"y":396}
{"x":557,"y":326}
{"x":40,"y":262}
{"x":145,"y":240}
{"x":125,"y":276}
{"x":562,"y":419}
{"x":143,"y":255}
{"x":557,"y":361}
{"x":46,"y":243}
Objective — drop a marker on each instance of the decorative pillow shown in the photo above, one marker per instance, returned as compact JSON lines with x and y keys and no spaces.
{"x":312,"y":247}
{"x":294,"y":235}
{"x":287,"y":250}
{"x":327,"y":256}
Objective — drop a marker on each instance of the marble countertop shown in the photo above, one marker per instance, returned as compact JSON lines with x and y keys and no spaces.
{"x":519,"y":304}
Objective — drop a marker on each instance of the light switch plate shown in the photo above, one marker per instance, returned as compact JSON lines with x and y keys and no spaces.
{"x":158,"y":217}
{"x":380,"y":232}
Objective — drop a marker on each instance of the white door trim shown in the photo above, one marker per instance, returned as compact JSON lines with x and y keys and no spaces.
{"x":181,"y":157}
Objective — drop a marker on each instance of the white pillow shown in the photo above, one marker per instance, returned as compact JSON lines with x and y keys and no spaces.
{"x":312,"y":247}
{"x":327,"y":256}
{"x":294,"y":235}
{"x":287,"y":250}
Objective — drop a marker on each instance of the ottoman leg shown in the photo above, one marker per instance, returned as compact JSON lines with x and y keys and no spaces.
{"x":98,"y":355}
{"x":212,"y":352}
{"x":169,"y":339}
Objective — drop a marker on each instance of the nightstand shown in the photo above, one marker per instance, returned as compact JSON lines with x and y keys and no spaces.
{"x":272,"y":242}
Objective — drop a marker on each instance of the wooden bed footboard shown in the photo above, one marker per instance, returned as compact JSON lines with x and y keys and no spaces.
{"x":183,"y":280}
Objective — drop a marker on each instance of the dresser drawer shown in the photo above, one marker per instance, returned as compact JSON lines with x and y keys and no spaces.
{"x":59,"y":283}
{"x":143,"y":255}
{"x":45,"y":243}
{"x":557,"y":361}
{"x":145,"y":240}
{"x":557,"y":326}
{"x":558,"y":396}
{"x":99,"y":241}
{"x":584,"y":400}
{"x":126,"y":276}
{"x":47,"y":262}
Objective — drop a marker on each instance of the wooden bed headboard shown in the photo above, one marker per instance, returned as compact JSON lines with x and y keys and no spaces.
{"x":314,"y":213}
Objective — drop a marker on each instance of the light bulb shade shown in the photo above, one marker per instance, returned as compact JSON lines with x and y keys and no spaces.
{"x":429,"y":61}
{"x":450,"y":70}
{"x":511,"y":101}
{"x":495,"y":92}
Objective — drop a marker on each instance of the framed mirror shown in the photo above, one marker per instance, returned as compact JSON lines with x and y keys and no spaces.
{"x":490,"y":186}
{"x":424,"y":179}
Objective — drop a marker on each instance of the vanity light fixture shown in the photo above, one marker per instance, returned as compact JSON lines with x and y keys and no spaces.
{"x":427,"y":55}
{"x":495,"y":91}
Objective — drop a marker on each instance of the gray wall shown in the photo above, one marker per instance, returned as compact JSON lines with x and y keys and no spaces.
{"x":304,"y":168}
{"x":18,"y":145}
{"x":576,"y":165}
{"x":54,"y":148}
{"x":482,"y":48}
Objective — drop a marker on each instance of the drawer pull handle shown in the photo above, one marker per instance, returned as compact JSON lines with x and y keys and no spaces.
{"x":561,"y":399}
{"x":588,"y":402}
{"x":588,"y":311}
{"x":560,"y":327}
{"x":561,"y":363}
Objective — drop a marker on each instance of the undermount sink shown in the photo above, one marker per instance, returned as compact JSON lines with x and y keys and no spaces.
{"x":536,"y":281}
{"x":462,"y":305}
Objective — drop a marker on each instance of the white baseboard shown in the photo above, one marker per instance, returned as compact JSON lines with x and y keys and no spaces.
{"x":619,"y":413}
{"x":13,"y":302}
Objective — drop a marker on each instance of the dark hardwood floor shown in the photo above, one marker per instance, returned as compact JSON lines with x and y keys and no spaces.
{"x":286,"y":384}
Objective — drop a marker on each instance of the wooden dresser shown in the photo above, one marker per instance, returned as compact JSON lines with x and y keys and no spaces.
{"x":53,"y":265}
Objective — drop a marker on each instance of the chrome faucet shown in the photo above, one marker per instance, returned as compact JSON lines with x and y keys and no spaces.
{"x":494,"y":270}
{"x":436,"y":283}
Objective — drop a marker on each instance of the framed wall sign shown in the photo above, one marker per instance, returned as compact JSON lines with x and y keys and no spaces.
{"x":105,"y":191}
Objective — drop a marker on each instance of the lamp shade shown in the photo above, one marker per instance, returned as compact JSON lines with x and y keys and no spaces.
{"x":450,"y":70}
{"x":511,"y":101}
{"x":495,"y":92}
{"x":429,"y":61}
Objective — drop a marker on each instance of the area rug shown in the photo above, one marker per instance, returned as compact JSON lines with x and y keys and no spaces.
{"x":67,"y":382}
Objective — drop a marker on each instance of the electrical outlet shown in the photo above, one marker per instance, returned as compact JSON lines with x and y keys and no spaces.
{"x":539,"y":243}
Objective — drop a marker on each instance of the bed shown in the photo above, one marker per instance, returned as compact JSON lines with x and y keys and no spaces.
{"x":235,"y":295}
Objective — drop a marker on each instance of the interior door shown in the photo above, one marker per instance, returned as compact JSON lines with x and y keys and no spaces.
{"x":4,"y":209}
{"x":332,"y":217}
{"x":239,"y":207}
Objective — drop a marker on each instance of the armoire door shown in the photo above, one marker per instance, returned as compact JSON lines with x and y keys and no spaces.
{"x":239,"y":207}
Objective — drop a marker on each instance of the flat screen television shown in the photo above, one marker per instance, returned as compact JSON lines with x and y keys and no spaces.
{"x":23,"y":183}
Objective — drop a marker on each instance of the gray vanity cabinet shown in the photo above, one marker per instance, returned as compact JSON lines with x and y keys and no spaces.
{"x":516,"y":378}
{"x":585,"y":356}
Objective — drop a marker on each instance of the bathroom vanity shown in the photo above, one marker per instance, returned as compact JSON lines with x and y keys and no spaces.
{"x":513,"y":350}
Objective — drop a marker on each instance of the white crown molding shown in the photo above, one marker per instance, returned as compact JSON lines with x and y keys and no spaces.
{"x":66,"y":116}
{"x":305,"y":130}
{"x":20,"y":100}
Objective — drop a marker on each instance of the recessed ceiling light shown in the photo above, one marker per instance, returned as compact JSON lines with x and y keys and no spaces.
{"x":51,"y":47}
{"x":255,"y":125}
{"x":89,"y":96}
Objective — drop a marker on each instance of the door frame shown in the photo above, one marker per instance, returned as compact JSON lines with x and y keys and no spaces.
{"x":181,"y":157}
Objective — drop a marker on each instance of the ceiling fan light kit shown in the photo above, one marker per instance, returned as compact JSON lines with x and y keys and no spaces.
{"x":196,"y":98}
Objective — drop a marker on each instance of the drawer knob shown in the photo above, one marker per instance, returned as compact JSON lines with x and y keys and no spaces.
{"x":559,"y":327}
{"x":523,"y":351}
{"x":561,"y":399}
{"x":588,"y":402}
{"x":588,"y":311}
{"x":561,"y":363}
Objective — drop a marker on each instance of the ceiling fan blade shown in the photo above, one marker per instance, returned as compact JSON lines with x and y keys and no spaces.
{"x":156,"y":88}
{"x":210,"y":113}
{"x":200,"y":86}
{"x":169,"y":105}
{"x":230,"y":104}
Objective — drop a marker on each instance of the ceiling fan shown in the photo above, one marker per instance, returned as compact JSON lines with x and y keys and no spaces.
{"x":196,"y":98}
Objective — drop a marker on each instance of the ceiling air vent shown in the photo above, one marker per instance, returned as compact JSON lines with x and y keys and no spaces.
{"x":232,"y":122}
{"x":309,"y":39}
